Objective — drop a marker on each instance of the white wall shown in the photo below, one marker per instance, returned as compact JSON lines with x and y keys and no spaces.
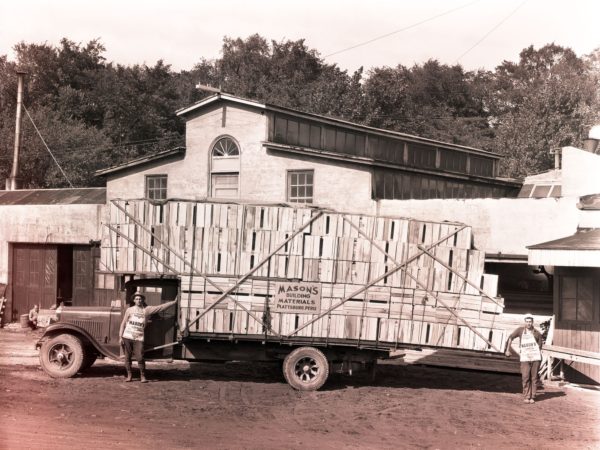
{"x":499,"y":225}
{"x":47,"y":224}
{"x":580,"y":172}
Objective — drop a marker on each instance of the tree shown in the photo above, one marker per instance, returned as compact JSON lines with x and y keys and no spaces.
{"x":539,"y":104}
{"x":431,"y":100}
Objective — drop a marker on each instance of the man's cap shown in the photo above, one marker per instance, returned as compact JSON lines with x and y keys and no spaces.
{"x":137,"y":294}
{"x":528,"y":316}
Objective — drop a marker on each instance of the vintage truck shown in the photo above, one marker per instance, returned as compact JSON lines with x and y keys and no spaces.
{"x":315,"y":289}
{"x":83,"y":334}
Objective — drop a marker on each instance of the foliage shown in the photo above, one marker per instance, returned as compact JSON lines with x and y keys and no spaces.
{"x":94,"y":113}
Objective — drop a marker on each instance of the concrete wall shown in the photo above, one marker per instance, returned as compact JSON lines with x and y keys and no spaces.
{"x":263,"y":173}
{"x":580,"y":171}
{"x":47,"y":224}
{"x":499,"y":225}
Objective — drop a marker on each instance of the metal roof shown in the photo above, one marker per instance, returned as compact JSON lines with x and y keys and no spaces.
{"x":583,"y":239}
{"x":581,"y":249}
{"x":81,"y":196}
{"x":141,"y":161}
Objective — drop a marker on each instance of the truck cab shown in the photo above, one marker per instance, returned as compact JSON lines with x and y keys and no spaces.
{"x":84,"y":333}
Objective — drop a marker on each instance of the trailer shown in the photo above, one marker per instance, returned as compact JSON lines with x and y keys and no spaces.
{"x":314,"y":289}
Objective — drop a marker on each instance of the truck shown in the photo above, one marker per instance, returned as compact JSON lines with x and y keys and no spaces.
{"x":316,"y":290}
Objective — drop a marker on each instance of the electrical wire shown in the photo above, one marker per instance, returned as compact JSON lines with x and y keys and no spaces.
{"x":47,"y":148}
{"x":400,"y":30}
{"x":492,"y":30}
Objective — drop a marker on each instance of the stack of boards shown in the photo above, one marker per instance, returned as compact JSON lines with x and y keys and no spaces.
{"x":339,"y":261}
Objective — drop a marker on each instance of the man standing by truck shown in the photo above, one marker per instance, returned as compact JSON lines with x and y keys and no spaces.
{"x":132,"y":332}
{"x":530,"y":346}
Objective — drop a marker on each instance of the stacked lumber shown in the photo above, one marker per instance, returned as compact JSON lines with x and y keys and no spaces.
{"x":350,"y":260}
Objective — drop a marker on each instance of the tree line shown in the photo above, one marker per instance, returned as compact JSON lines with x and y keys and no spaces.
{"x":94,"y":114}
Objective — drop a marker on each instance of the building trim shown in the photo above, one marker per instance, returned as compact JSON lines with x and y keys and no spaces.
{"x":370,"y":162}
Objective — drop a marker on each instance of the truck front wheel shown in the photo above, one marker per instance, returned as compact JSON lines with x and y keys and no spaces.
{"x":306,"y":369}
{"x":61,"y":356}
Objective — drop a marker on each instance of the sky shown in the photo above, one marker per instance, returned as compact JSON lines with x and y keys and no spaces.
{"x":479,"y":34}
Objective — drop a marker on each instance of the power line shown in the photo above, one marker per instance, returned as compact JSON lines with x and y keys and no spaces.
{"x":401,"y":29}
{"x":492,"y":30}
{"x":47,"y":148}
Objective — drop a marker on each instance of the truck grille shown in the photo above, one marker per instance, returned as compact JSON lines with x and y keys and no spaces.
{"x":91,"y":326}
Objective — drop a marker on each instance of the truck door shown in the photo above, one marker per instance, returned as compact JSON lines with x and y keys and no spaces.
{"x":160,"y":327}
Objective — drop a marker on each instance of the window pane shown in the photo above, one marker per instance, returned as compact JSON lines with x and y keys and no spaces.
{"x":300,"y":186}
{"x":568,"y":310}
{"x":585,"y":309}
{"x":156,"y":187}
{"x":568,"y":287}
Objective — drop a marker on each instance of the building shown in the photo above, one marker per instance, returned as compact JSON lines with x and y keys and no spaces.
{"x":49,"y":247}
{"x":241,"y":149}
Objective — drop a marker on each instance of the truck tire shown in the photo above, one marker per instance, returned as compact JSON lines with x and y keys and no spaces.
{"x":89,"y":358}
{"x":61,"y":356}
{"x":306,"y":369}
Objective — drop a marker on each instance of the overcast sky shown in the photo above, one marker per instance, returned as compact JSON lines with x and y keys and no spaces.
{"x":475,"y":33}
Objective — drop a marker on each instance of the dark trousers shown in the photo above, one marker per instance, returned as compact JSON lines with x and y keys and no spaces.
{"x":529,"y":376}
{"x":133,"y":349}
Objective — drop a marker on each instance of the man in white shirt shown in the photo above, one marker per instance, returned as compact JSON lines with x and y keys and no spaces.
{"x":132,"y":332}
{"x":530,"y":346}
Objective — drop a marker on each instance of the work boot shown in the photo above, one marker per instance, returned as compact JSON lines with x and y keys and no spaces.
{"x":142,"y":367}
{"x":128,"y":370}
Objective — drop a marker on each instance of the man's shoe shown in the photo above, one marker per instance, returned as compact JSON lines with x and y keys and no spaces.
{"x":531,"y":400}
{"x":143,"y":379}
{"x":526,"y":400}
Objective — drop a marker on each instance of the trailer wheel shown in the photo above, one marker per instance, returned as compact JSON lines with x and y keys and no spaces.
{"x":306,"y":369}
{"x":62,"y":356}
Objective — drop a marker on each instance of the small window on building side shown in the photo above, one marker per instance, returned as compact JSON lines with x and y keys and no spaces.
{"x":576,"y":299}
{"x":156,"y":187}
{"x":300,"y":185}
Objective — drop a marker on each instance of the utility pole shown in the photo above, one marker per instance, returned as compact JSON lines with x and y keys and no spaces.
{"x":13,"y":182}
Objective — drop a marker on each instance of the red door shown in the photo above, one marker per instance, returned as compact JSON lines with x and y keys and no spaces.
{"x":34,"y":277}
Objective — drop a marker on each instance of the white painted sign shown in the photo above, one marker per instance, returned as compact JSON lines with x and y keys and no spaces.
{"x":298,"y":298}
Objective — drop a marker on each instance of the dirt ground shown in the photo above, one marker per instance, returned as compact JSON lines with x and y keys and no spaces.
{"x":243,"y":405}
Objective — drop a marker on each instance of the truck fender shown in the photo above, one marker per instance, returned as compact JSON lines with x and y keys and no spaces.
{"x":59,"y":328}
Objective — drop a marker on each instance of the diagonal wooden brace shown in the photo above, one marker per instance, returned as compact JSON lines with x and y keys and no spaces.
{"x":254,"y":269}
{"x":373,"y":282}
{"x":481,"y":291}
{"x":423,"y":250}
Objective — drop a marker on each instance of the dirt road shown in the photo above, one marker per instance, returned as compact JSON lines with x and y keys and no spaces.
{"x":242,"y":405}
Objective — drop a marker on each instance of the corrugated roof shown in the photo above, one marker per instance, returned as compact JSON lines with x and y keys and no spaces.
{"x":583,"y":239}
{"x":82,"y":196}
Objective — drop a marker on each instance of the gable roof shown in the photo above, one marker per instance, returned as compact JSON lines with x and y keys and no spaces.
{"x":218,"y":97}
{"x":165,"y":154}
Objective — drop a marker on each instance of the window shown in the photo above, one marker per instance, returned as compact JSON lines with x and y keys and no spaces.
{"x":156,"y":187}
{"x":225,"y":185}
{"x":300,"y":186}
{"x":576,"y":298}
{"x":225,"y":168}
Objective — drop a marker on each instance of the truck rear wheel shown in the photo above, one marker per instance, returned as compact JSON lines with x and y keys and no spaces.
{"x":306,"y":369}
{"x":61,"y":356}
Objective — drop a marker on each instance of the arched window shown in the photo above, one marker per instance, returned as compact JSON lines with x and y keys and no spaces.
{"x":225,"y":168}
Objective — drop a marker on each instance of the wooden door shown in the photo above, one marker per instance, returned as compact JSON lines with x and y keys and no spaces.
{"x":34,"y":277}
{"x":83,"y":276}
